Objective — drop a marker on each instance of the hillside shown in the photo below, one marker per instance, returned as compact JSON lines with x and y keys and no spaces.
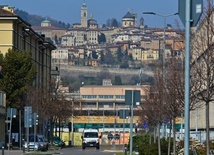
{"x":35,"y":20}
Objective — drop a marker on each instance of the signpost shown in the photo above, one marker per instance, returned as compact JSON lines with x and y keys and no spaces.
{"x":132,"y":97}
{"x":196,"y":9}
{"x":189,"y":13}
{"x":27,"y":121}
{"x":35,"y":123}
{"x":11,"y":113}
{"x":123,"y":114}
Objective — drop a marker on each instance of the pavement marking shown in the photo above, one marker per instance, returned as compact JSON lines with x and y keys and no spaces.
{"x":112,"y":150}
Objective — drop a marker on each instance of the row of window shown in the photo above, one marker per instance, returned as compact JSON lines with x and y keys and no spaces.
{"x":103,"y":96}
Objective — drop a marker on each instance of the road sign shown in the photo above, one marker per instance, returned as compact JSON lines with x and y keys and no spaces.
{"x":124,"y":113}
{"x":28,"y":117}
{"x":145,"y":124}
{"x":110,"y":136}
{"x":195,"y":11}
{"x":132,"y":96}
{"x":11,"y":112}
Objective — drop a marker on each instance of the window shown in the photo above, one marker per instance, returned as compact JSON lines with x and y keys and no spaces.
{"x":106,"y":96}
{"x":91,"y":134}
{"x":89,"y":96}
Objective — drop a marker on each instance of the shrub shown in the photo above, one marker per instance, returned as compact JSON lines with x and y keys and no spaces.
{"x":142,"y":141}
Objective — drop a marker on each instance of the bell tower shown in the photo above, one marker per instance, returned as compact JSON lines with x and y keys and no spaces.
{"x":84,"y":14}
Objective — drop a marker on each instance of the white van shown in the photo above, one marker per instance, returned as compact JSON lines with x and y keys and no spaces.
{"x":90,"y":138}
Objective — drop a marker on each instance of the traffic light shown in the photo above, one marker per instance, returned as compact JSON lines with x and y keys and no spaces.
{"x":69,"y":126}
{"x":35,"y":119}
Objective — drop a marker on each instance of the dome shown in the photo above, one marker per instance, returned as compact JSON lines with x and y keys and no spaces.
{"x":46,"y":21}
{"x":84,"y":4}
{"x":92,"y":21}
{"x":129,"y":15}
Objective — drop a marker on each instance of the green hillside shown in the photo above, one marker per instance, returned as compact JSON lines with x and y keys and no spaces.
{"x":35,"y":20}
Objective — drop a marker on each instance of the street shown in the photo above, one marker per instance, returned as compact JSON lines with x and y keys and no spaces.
{"x":104,"y":150}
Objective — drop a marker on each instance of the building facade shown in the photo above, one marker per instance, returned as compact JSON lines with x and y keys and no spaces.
{"x":17,"y":34}
{"x":101,"y":105}
{"x":51,"y":32}
{"x":84,"y":15}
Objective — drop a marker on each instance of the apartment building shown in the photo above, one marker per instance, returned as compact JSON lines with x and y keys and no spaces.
{"x":98,"y":104}
{"x":17,"y":34}
{"x":108,"y":97}
{"x":202,"y":69}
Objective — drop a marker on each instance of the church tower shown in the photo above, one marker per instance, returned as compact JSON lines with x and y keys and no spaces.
{"x":84,"y":14}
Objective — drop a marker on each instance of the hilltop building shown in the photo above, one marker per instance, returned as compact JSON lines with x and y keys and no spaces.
{"x":130,"y":19}
{"x":51,"y":32}
{"x":84,"y":16}
{"x":144,"y":44}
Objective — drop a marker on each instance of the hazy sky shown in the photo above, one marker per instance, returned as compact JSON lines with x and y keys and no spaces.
{"x":68,"y":11}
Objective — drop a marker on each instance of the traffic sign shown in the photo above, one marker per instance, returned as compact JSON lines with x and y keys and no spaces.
{"x":132,"y":97}
{"x":110,"y":136}
{"x":28,"y":116}
{"x":196,"y":9}
{"x":11,"y":113}
{"x":124,"y":113}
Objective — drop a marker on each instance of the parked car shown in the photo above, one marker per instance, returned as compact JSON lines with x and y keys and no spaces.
{"x":36,"y":142}
{"x":57,"y":141}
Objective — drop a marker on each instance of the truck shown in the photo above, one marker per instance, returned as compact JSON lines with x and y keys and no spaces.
{"x":90,"y":138}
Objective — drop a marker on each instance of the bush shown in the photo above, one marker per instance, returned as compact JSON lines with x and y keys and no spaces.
{"x":142,"y":142}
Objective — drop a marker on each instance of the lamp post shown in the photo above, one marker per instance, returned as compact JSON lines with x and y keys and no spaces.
{"x":164,"y":28}
{"x":164,"y":42}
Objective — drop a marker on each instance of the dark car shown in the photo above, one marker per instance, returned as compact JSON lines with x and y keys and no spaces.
{"x":37,"y":142}
{"x":57,"y":141}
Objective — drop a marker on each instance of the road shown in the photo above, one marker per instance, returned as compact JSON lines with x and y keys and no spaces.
{"x":104,"y":150}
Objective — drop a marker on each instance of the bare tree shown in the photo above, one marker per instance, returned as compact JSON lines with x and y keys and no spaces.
{"x":174,"y":95}
{"x":202,"y":65}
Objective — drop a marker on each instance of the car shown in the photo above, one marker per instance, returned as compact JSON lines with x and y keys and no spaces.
{"x":36,"y":142}
{"x":90,"y":138}
{"x":57,"y":141}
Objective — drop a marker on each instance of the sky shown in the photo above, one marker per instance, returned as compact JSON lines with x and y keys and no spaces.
{"x":68,"y":11}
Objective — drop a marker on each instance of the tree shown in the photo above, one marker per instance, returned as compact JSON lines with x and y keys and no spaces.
{"x":56,"y":39}
{"x":202,"y":66}
{"x":102,"y":56}
{"x":117,"y":80}
{"x":19,"y":72}
{"x":114,"y":23}
{"x":173,"y":94}
{"x":102,"y":75}
{"x":119,"y":55}
{"x":101,"y":38}
{"x":109,"y":59}
{"x":166,"y":99}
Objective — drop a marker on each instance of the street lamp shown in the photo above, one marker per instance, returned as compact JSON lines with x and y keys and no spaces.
{"x":164,"y":34}
{"x":164,"y":37}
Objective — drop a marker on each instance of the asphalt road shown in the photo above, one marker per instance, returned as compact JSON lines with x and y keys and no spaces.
{"x":104,"y":150}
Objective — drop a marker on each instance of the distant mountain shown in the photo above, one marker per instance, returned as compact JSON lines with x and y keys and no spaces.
{"x":35,"y":20}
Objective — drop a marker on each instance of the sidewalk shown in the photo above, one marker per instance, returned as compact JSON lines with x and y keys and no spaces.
{"x":11,"y":152}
